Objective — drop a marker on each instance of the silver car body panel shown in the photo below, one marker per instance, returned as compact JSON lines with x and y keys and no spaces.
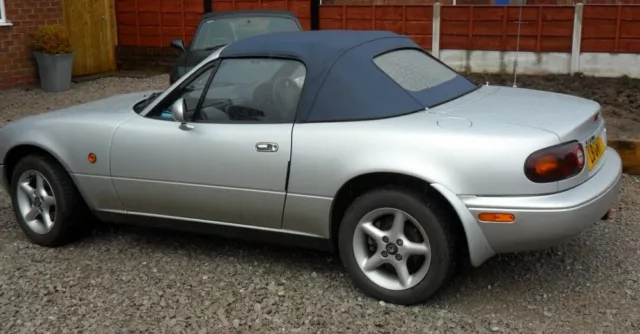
{"x":212,"y":172}
{"x":472,"y":150}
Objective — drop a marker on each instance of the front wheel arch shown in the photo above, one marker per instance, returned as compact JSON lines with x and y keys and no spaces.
{"x":20,"y":151}
{"x":16,"y":153}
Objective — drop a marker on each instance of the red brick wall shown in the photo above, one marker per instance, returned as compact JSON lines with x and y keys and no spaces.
{"x":17,"y":65}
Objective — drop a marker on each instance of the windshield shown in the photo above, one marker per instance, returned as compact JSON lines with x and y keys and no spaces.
{"x":427,"y":79}
{"x":222,"y":31}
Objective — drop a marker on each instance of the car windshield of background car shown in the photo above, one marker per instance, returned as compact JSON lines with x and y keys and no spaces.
{"x":218,"y":32}
{"x":244,"y":72}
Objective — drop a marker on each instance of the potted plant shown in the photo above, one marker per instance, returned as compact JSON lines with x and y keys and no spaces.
{"x":52,"y":50}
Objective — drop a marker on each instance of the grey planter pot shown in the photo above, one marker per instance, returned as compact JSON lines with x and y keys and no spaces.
{"x":55,"y":71}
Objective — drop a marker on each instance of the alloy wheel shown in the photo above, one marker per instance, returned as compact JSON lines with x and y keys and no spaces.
{"x":392,"y":249}
{"x":36,"y":201}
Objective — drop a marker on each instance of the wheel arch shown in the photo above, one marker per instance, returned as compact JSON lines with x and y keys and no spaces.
{"x":360,"y":184}
{"x":20,"y":151}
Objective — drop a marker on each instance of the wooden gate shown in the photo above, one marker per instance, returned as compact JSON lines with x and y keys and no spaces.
{"x":91,"y":25}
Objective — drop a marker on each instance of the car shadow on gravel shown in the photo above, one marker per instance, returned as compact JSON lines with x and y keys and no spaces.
{"x":530,"y":276}
{"x":166,"y":240}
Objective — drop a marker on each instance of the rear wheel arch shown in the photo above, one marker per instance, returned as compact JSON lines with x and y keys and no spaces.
{"x":361,"y":184}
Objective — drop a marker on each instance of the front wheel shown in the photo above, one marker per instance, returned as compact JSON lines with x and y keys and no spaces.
{"x":46,"y":203}
{"x":397,"y":246}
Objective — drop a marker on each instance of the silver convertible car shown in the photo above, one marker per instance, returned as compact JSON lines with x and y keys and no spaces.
{"x":352,"y":141}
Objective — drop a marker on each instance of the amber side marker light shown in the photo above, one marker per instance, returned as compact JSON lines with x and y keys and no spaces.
{"x":92,"y":158}
{"x":497,"y":217}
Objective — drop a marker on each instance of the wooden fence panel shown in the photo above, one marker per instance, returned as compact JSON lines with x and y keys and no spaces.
{"x":299,"y":7}
{"x":486,"y":29}
{"x":629,"y":32}
{"x":540,"y":28}
{"x":418,"y":25}
{"x":555,"y":28}
{"x":415,"y":21}
{"x":600,"y":28}
{"x":155,"y":23}
{"x":455,"y":27}
{"x":546,"y":28}
{"x":611,"y":28}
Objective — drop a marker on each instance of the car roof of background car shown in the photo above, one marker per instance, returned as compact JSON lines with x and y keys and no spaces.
{"x":252,"y":12}
{"x":342,"y":82}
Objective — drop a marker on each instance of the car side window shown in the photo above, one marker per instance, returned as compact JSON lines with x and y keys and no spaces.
{"x":191,"y":91}
{"x":253,"y":90}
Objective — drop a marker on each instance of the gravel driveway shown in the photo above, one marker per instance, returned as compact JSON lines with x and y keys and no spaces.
{"x":123,"y":279}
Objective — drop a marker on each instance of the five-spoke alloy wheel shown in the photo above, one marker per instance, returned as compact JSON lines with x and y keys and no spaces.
{"x":397,"y":246}
{"x":389,"y":256}
{"x":47,"y":205}
{"x":36,"y":201}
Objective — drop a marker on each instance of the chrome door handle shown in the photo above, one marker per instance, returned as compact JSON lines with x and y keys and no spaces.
{"x":266,"y":147}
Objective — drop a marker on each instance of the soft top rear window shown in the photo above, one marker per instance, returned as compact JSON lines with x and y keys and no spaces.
{"x":428,"y":80}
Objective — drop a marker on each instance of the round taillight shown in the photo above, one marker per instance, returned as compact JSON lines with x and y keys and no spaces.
{"x":555,"y":163}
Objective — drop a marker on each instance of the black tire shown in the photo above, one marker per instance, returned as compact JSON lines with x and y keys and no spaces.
{"x":438,"y":226}
{"x":71,"y":212}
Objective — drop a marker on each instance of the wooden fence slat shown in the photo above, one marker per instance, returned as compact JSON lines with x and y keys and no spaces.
{"x":404,"y":20}
{"x":503,"y":46}
{"x":344,"y":17}
{"x":616,"y":48}
{"x":539,"y":37}
{"x":184,"y":27}
{"x":137,"y":24}
{"x":470,"y":41}
{"x":373,"y":17}
{"x":159,"y":14}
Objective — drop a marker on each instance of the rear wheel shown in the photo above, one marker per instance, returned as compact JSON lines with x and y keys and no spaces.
{"x":397,"y":246}
{"x":45,"y":201}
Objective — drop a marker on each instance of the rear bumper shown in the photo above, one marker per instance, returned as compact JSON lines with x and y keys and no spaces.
{"x":544,"y":221}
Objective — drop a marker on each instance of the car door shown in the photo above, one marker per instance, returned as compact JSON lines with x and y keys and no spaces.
{"x":230,"y":165}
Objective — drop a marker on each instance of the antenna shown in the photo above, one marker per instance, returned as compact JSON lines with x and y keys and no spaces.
{"x":515,"y":63}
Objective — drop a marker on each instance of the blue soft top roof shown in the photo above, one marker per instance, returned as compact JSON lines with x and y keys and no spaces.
{"x":342,"y":81}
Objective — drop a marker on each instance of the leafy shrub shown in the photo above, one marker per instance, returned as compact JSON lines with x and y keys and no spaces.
{"x":52,"y":39}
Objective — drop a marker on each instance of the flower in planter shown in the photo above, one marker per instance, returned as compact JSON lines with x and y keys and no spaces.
{"x":55,"y":58}
{"x":52,"y":39}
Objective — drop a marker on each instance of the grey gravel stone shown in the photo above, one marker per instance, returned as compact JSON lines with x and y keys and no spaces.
{"x":122,"y":279}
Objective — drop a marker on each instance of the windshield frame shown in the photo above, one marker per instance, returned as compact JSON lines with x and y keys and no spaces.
{"x":205,"y":21}
{"x":215,"y":55}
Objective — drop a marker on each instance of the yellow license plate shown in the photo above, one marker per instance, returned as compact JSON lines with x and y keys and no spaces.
{"x":595,"y":150}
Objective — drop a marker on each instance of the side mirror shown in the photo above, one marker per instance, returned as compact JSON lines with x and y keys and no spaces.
{"x":178,"y":110}
{"x":178,"y":44}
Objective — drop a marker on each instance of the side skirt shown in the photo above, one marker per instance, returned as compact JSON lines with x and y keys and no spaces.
{"x":231,"y":231}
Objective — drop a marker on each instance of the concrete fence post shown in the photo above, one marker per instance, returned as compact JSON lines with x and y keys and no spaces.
{"x":577,"y":38}
{"x":435,"y":34}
